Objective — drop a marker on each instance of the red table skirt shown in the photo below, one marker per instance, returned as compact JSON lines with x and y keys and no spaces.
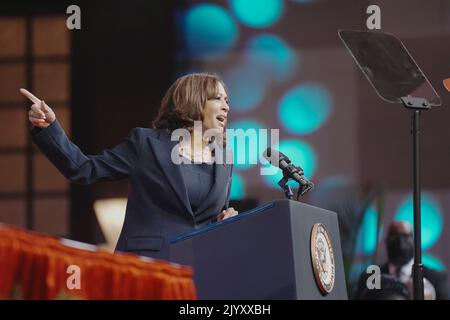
{"x":37,"y":266}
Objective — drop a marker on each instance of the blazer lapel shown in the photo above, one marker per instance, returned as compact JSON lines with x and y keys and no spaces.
{"x":220,"y":178}
{"x":162,"y":149}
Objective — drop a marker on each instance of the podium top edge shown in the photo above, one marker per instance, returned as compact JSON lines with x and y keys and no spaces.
{"x":241,"y":216}
{"x":224,"y":222}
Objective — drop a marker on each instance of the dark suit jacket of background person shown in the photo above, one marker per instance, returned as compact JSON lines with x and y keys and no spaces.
{"x":158,"y":207}
{"x":437,"y":279}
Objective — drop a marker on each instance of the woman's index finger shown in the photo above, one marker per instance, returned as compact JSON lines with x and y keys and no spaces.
{"x":30,"y":96}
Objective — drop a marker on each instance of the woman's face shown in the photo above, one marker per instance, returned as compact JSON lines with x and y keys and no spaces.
{"x":215,"y":111}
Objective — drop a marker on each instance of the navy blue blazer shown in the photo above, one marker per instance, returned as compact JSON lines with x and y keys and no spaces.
{"x":158,"y":207}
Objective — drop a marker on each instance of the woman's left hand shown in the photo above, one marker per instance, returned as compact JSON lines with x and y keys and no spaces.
{"x":228,"y":213}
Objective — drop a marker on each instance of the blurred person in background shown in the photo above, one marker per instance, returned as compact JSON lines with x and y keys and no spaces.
{"x":391,"y":289}
{"x":400,"y":254}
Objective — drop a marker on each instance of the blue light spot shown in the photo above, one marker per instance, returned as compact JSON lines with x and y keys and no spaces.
{"x":432,"y":221}
{"x":433,"y":262}
{"x":272,"y":57}
{"x":246,"y":87}
{"x":300,"y":153}
{"x":305,"y":108}
{"x":367,"y":239}
{"x":237,"y":187}
{"x":257,"y":13}
{"x":209,"y":31}
{"x":246,"y":150}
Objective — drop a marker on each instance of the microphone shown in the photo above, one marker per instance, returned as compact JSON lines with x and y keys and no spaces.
{"x":289,"y":170}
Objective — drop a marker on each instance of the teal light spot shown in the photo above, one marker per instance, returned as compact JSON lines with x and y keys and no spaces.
{"x":272,"y":57}
{"x":246,"y":143}
{"x":237,"y":187}
{"x":432,"y":221}
{"x":433,"y":262}
{"x":300,"y":153}
{"x":209,"y":31}
{"x":367,"y":239}
{"x":246,"y":87}
{"x":257,"y":13}
{"x":305,"y":108}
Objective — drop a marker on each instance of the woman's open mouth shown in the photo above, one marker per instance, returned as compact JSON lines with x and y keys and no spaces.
{"x":222,"y":120}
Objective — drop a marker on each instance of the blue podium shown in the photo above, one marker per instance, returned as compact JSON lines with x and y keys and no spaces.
{"x":281,"y":250}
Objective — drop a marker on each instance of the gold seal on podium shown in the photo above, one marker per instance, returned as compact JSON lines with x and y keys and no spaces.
{"x":322,"y":258}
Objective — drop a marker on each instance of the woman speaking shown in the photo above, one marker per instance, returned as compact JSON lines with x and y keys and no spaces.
{"x":165,"y":199}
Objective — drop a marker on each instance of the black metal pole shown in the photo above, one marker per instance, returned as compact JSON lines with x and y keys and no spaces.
{"x":418,"y":266}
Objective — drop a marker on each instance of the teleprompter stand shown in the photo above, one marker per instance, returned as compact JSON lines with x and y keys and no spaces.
{"x":396,"y":78}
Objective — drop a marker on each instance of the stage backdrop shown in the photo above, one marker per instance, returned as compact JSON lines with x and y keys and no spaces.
{"x":286,"y":68}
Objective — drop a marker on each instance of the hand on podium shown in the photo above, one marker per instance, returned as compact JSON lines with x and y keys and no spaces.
{"x":228,"y":213}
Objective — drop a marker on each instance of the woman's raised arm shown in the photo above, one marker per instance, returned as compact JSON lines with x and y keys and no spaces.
{"x":111,"y":164}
